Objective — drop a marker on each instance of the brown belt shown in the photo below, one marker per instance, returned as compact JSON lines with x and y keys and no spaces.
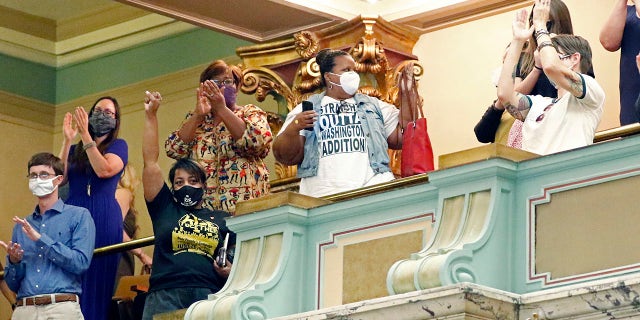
{"x":47,"y":299}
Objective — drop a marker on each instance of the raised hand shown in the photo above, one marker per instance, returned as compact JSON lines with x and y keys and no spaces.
{"x":69,"y":129}
{"x":203,"y":106}
{"x":407,"y":80}
{"x":409,"y":89}
{"x":214,"y":94}
{"x":81,"y":118}
{"x":27,"y":228}
{"x":521,"y":30}
{"x":541,"y":13}
{"x":14,"y":250}
{"x":152,"y":101}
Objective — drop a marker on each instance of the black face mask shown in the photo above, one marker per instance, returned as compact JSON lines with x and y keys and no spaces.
{"x":188,"y":196}
{"x":101,"y":123}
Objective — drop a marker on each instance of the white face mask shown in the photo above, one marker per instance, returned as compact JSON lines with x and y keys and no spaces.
{"x":349,"y":81}
{"x":41,"y":188}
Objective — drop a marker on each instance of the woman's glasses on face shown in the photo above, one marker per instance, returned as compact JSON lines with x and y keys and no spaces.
{"x":106,"y":112}
{"x":221,"y":83}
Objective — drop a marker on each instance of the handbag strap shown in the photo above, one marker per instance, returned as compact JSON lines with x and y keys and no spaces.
{"x":415,"y":108}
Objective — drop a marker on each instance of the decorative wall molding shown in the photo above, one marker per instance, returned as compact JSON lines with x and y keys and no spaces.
{"x":27,"y":112}
{"x":581,"y":208}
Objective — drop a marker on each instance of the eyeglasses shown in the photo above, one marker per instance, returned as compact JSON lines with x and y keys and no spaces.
{"x":564,"y":56}
{"x":225,"y":82}
{"x":547,"y":108}
{"x":42,"y":175}
{"x":106,"y":112}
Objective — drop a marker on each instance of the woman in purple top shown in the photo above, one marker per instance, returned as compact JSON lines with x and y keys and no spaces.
{"x":622,"y":31}
{"x":93,"y":167}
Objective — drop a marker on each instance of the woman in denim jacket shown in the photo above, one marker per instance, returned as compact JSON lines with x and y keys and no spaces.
{"x":347,"y":134}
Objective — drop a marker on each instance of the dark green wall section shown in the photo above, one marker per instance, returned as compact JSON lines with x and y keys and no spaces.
{"x":146,"y":61}
{"x":27,"y":79}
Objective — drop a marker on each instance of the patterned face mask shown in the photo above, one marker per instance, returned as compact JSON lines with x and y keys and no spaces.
{"x":188,"y":196}
{"x":101,"y":123}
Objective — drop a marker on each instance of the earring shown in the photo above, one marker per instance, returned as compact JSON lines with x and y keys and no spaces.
{"x":330,"y":86}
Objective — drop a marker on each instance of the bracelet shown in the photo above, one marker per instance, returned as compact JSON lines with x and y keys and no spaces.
{"x":545,"y":44}
{"x":537,"y":67}
{"x":89,"y":145}
{"x":540,"y":32}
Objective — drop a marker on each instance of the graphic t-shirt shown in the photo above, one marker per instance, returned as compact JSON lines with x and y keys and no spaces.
{"x":186,"y":242}
{"x":343,"y":151}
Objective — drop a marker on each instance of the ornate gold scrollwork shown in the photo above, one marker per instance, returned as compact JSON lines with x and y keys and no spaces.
{"x":306,"y":43}
{"x":262,"y":82}
{"x":308,"y":79}
{"x":372,"y":64}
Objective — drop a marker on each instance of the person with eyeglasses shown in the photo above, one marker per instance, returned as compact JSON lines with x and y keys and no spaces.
{"x":498,"y":126}
{"x":93,"y":168}
{"x":228,"y":140}
{"x":621,"y":31}
{"x":50,"y":249}
{"x":553,"y":124}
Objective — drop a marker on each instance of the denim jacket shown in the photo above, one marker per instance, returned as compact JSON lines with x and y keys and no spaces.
{"x":368,"y":110}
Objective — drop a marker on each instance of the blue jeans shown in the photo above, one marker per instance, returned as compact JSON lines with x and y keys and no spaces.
{"x":168,"y":300}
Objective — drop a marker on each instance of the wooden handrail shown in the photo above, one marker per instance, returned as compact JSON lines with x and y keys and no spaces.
{"x":618,"y":132}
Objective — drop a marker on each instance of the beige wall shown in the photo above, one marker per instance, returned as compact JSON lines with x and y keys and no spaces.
{"x":458,"y":62}
{"x":23,"y":132}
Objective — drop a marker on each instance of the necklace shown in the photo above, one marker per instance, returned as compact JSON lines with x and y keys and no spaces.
{"x":89,"y":186}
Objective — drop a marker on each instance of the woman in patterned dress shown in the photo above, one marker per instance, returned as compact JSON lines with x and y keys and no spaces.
{"x":223,"y":137}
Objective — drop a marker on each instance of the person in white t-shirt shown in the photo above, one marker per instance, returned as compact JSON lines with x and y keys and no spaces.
{"x":347,"y":134}
{"x":553,"y":124}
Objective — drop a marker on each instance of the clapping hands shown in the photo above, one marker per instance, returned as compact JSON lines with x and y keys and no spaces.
{"x":69,"y":128}
{"x":14,"y":250}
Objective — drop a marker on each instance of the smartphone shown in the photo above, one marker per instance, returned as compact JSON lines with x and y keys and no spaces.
{"x":221,"y":259}
{"x":307,"y":106}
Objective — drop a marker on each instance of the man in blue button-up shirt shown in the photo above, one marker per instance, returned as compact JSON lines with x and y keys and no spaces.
{"x":50,"y":249}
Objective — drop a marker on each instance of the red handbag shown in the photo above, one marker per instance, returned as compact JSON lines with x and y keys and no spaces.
{"x":417,"y":152}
